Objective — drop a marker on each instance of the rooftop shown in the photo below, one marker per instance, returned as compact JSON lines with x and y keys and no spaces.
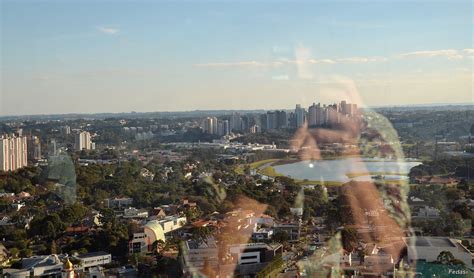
{"x":93,"y":254}
{"x":430,"y":242}
{"x":201,"y":244}
{"x":434,"y":242}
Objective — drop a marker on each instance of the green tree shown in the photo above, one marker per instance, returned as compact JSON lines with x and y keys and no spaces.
{"x":281,"y":237}
{"x":349,"y":238}
{"x":50,"y":230}
{"x":446,"y":257}
{"x":53,"y":248}
{"x":14,"y":252}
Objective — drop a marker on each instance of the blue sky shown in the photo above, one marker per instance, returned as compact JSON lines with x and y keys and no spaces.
{"x":119,"y":56}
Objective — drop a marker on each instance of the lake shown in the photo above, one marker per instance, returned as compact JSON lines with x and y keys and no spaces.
{"x":337,"y":170}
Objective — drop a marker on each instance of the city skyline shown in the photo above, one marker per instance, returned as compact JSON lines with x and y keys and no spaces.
{"x":93,"y":57}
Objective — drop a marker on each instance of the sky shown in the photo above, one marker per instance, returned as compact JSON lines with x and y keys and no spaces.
{"x":122,"y":56}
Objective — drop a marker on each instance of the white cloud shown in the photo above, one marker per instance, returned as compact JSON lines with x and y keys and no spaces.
{"x":239,"y":64}
{"x":316,"y":61}
{"x":362,"y":60}
{"x":327,"y":61}
{"x":281,"y":77}
{"x":303,"y":60}
{"x":108,"y":30}
{"x":469,"y":51}
{"x":451,"y":54}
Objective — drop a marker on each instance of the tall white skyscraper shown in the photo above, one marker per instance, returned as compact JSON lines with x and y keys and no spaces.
{"x":82,"y":141}
{"x":13,"y":152}
{"x":210,"y":125}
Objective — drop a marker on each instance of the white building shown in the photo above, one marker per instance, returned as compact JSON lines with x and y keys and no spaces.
{"x":155,"y":230}
{"x":134,"y":213}
{"x":37,"y":266}
{"x":262,"y":234}
{"x":139,"y":243}
{"x":254,"y":253}
{"x":171,"y":223}
{"x":13,"y":152}
{"x":210,"y":125}
{"x":428,"y":249}
{"x":82,"y":141}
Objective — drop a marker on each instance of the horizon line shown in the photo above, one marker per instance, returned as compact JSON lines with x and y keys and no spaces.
{"x":230,"y":110}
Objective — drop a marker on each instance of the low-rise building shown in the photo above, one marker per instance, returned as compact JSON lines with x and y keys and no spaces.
{"x":198,"y":252}
{"x":155,"y":230}
{"x":292,"y":229}
{"x":118,"y":203}
{"x":36,"y":266}
{"x":426,"y":212}
{"x":139,"y":244}
{"x":251,"y":258}
{"x":253,"y":253}
{"x":94,"y":259}
{"x":135,"y":213}
{"x":262,"y":234}
{"x":428,"y":248}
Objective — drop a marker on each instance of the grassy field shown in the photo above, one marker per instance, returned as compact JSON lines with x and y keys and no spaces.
{"x":326,"y":183}
{"x":260,"y":163}
{"x":239,"y":170}
{"x":269,"y":171}
{"x":358,"y":174}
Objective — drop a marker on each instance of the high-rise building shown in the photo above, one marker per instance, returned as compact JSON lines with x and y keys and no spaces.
{"x":207,"y":125}
{"x":82,"y":141}
{"x":272,"y":120}
{"x":214,"y":125}
{"x":255,"y":129}
{"x":53,"y":148}
{"x":263,"y":121}
{"x":235,"y":122}
{"x":220,"y":128}
{"x":66,"y":130}
{"x":13,"y":152}
{"x":354,"y":109}
{"x":210,"y":125}
{"x":276,"y":120}
{"x":292,"y":120}
{"x":344,"y":107}
{"x":332,"y":115}
{"x":349,"y":109}
{"x":300,"y":115}
{"x":320,"y":115}
{"x":282,"y":119}
{"x":19,"y":132}
{"x":312,"y":115}
{"x":34,"y":148}
{"x":245,"y":124}
{"x":226,"y":127}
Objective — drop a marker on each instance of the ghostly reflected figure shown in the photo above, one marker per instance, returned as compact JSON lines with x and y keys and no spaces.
{"x":375,"y":211}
